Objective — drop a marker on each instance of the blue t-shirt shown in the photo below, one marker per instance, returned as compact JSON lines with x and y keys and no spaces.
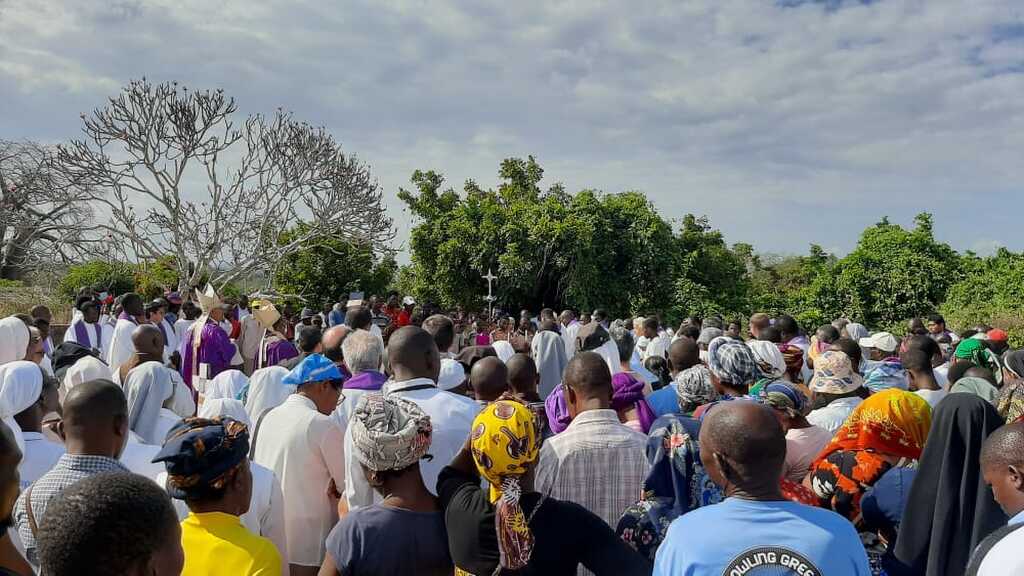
{"x":746,"y":538}
{"x":664,"y":401}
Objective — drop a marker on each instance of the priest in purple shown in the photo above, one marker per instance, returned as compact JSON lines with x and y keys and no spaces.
{"x":214,"y":348}
{"x":275,"y":347}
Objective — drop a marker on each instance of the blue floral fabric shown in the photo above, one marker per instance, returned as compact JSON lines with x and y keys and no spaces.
{"x":676,"y":484}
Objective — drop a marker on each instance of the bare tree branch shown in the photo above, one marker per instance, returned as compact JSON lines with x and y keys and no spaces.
{"x":43,"y":218}
{"x":143,"y":153}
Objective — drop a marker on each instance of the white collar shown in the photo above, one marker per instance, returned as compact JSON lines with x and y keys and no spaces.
{"x":406,"y":384}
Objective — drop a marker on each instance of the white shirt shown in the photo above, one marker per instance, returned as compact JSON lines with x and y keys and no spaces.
{"x":569,"y":334}
{"x":1005,"y":557}
{"x":451,"y":417}
{"x":106,"y":333}
{"x":40,"y":456}
{"x":266,"y":509}
{"x":166,"y":420}
{"x":138,"y":458}
{"x":305,"y":450}
{"x":181,"y":328}
{"x":171,"y":345}
{"x":657,"y":347}
{"x":932,"y":397}
{"x":121,"y":347}
{"x":942,"y":376}
{"x":831,"y":417}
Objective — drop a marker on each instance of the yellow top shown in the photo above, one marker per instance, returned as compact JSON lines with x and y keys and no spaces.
{"x":217,"y":543}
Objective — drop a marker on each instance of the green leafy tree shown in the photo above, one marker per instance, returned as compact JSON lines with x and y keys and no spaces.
{"x":990,"y":292}
{"x":114,"y":277}
{"x":329,"y":270}
{"x":153,"y":278}
{"x":893,"y":274}
{"x":709,"y":277}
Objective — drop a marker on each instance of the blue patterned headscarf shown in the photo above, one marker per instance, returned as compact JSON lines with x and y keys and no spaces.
{"x":676,"y":484}
{"x":201,"y":453}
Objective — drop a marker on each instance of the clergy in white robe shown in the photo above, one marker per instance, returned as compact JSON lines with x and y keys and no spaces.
{"x":121,"y":347}
{"x":304,"y":447}
{"x":87,"y":330}
{"x":570,"y":329}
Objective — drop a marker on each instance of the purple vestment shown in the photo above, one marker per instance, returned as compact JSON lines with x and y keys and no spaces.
{"x":215,"y":349}
{"x":369,"y":380}
{"x":278,"y":351}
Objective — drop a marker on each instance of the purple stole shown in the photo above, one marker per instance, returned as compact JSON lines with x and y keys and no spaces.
{"x":127,"y":316}
{"x":162,"y":331}
{"x":83,"y":336}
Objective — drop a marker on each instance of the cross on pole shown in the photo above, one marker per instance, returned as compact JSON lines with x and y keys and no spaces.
{"x":490,"y":277}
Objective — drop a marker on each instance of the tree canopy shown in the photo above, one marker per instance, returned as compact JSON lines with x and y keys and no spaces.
{"x":553,"y":248}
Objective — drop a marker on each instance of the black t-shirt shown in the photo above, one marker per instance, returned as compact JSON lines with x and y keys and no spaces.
{"x":565,"y":534}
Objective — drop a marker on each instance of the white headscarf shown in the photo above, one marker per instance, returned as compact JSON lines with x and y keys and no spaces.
{"x":147,"y":387}
{"x":769,"y":358}
{"x":505,"y":350}
{"x":21,"y":383}
{"x":225,"y":407}
{"x":14,"y":337}
{"x":227,"y":384}
{"x":85,"y":369}
{"x":548,"y":351}
{"x":266,"y":391}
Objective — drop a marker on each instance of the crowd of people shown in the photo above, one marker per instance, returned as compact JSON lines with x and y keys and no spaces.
{"x":189,"y":435}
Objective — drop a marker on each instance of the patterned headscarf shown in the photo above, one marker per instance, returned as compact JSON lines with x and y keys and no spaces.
{"x":733,"y":362}
{"x":389,"y":432}
{"x":1011,"y":398}
{"x":694,"y":386}
{"x":794,"y":359}
{"x":890,"y":423}
{"x":200,"y":454}
{"x":769,"y":358}
{"x":505,"y":441}
{"x":783,"y":396}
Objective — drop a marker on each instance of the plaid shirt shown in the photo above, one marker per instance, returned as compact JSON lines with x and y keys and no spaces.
{"x":69,"y":469}
{"x":597,"y":462}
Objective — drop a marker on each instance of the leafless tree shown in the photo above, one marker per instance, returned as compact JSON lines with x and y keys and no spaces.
{"x":155,"y":157}
{"x":43,"y":219}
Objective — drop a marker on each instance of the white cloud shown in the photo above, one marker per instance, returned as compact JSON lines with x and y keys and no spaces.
{"x":786,"y":125}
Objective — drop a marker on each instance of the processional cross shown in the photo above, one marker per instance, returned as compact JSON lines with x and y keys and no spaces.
{"x":490,"y":277}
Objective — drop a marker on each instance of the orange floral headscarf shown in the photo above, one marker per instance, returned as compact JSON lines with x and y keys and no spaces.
{"x":891,"y":422}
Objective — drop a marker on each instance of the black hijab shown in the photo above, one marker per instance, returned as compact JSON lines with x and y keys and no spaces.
{"x":950,"y":508}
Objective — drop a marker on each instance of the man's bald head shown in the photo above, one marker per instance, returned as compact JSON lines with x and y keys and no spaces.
{"x":588,"y":375}
{"x":148,"y":339}
{"x":743,"y":445}
{"x":332,"y":339}
{"x":412,"y":353}
{"x":489,"y":379}
{"x":683,"y":353}
{"x":95,"y":419}
{"x":522,"y":374}
{"x":1005,"y":447}
{"x":983,"y":373}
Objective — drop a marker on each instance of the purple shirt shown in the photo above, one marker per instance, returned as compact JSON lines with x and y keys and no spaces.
{"x":215,"y":349}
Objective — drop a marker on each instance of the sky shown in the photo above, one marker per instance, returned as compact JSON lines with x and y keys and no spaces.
{"x":786,"y":122}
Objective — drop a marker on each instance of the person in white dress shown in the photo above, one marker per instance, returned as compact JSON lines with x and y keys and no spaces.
{"x":227,"y":384}
{"x":87,"y":330}
{"x":266,"y":391}
{"x":155,"y":312}
{"x":149,"y":390}
{"x":304,"y":447}
{"x":41,"y":454}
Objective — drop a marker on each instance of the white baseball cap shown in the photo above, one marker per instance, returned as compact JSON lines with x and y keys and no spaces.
{"x":452,"y":374}
{"x":409,"y":301}
{"x":883,"y":341}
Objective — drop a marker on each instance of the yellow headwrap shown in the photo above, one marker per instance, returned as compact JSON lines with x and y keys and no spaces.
{"x":505,"y":442}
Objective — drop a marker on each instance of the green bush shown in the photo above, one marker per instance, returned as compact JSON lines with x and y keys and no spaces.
{"x":114,"y":277}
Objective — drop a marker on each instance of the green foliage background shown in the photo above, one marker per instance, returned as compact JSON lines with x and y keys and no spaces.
{"x":552,"y":248}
